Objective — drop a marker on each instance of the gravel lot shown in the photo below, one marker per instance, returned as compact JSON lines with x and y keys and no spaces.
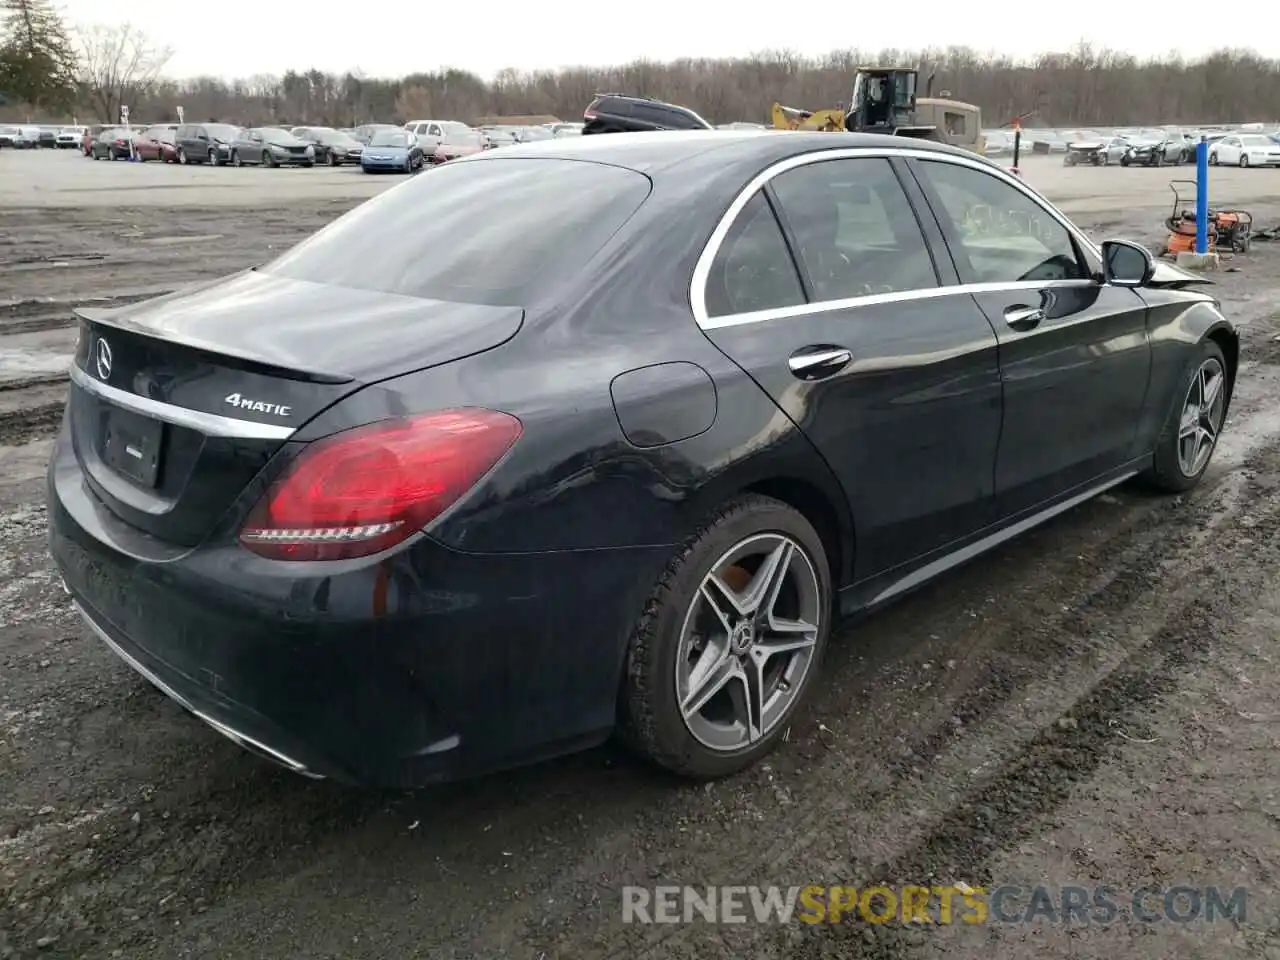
{"x":1095,"y":703}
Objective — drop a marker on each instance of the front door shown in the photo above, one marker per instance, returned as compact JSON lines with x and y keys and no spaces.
{"x":1074,"y":352}
{"x":826,"y":292}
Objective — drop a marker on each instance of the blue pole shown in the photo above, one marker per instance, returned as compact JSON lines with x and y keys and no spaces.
{"x":1202,"y":196}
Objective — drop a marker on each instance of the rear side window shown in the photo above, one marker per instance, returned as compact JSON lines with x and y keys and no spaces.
{"x":495,"y":231}
{"x":753,"y":269}
{"x":854,"y":228}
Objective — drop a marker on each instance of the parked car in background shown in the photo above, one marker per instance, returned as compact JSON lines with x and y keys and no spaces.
{"x":459,"y":140}
{"x":47,"y":136}
{"x":157,"y":143}
{"x":1246,"y":150}
{"x":564,"y":129}
{"x":619,"y":113}
{"x":1114,"y":149}
{"x":380,"y":511}
{"x":271,"y":147}
{"x":500,"y":136}
{"x":91,"y":134}
{"x":332,"y":147}
{"x":393,"y":150}
{"x":534,"y":134}
{"x":25,"y":137}
{"x":7,"y":135}
{"x":1146,"y":150}
{"x":70,"y":138}
{"x":114,"y":143}
{"x":205,"y":142}
{"x":365,"y":131}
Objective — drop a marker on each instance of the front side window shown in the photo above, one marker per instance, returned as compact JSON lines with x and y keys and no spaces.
{"x":1000,"y":234}
{"x":753,"y":269}
{"x":854,"y":229}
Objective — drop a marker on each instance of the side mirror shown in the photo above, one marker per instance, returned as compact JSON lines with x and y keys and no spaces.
{"x":1126,"y":264}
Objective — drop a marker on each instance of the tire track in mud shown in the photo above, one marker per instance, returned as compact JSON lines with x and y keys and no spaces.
{"x":968,"y":733}
{"x":1012,"y":804}
{"x":31,"y":408}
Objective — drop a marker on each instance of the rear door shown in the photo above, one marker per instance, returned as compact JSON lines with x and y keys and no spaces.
{"x":1074,"y":352}
{"x":846,"y":324}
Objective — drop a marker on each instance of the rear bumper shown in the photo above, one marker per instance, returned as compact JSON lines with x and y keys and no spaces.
{"x":419,"y":667}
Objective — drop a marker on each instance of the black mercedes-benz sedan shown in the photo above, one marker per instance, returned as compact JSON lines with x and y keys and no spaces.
{"x":603,"y":434}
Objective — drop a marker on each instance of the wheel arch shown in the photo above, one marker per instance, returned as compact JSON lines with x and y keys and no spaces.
{"x":1228,"y":340}
{"x":833,"y":526}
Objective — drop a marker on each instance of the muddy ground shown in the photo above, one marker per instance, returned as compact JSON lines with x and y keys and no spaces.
{"x":1094,"y":704}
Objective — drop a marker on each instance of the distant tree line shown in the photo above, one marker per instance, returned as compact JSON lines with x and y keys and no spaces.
{"x":117,"y":65}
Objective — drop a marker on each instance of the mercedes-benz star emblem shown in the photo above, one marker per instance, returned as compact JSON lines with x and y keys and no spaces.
{"x":102,"y":359}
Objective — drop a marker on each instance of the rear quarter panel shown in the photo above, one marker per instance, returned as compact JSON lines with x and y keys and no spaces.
{"x":574,"y":481}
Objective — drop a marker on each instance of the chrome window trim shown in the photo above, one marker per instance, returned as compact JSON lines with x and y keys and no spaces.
{"x":210,"y":424}
{"x":702,"y":270}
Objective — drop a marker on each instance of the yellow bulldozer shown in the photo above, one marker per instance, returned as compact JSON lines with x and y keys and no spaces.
{"x":884,"y":101}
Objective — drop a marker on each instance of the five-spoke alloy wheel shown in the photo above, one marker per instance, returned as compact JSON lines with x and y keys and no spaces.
{"x":730,"y":641}
{"x":747,"y":641}
{"x":1195,"y":419}
{"x":1202,"y":415}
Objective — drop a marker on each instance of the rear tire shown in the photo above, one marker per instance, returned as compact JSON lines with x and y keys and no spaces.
{"x":1244,"y":160}
{"x":1173,"y":469}
{"x":664,"y":658}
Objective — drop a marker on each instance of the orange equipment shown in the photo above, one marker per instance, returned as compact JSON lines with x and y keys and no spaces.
{"x":1228,"y":229}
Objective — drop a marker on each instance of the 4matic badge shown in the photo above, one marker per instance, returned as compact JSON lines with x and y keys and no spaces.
{"x":257,"y":406}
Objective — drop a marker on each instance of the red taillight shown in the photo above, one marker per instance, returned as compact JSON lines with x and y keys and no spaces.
{"x":364,"y":490}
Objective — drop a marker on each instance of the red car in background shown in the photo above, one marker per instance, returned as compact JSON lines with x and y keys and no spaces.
{"x":157,"y":143}
{"x":458,"y":140}
{"x":90,"y":135}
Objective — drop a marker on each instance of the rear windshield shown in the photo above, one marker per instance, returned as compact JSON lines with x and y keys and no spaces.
{"x":493,"y":231}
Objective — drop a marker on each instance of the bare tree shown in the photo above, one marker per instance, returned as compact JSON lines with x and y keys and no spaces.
{"x":120,"y":66}
{"x":1082,"y":87}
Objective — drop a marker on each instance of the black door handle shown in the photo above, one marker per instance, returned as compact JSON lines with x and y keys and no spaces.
{"x":814,"y":363}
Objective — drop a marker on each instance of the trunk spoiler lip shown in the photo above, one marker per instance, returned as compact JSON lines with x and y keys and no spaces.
{"x":108,"y":317}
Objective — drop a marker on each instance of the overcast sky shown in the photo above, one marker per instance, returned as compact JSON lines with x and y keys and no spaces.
{"x":238,"y":38}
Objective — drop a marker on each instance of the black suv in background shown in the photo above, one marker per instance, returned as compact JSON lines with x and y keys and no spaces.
{"x":205,"y":142}
{"x":618,"y":113}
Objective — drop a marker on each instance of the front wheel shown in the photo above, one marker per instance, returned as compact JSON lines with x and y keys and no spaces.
{"x":1195,"y":419}
{"x":214,"y":159}
{"x":235,"y":158}
{"x":1244,"y":160}
{"x":1213,"y":159}
{"x":1124,"y":161}
{"x":729,"y":642}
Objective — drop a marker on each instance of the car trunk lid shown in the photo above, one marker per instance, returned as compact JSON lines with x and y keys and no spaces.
{"x":177,"y":403}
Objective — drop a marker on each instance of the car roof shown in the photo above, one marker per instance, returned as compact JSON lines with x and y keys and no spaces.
{"x":650,"y":152}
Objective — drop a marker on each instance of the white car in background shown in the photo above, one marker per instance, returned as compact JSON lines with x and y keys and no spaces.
{"x":70,"y":138}
{"x":1245,"y":150}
